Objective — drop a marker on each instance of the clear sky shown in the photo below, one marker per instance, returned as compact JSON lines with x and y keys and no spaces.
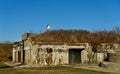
{"x":20,"y":16}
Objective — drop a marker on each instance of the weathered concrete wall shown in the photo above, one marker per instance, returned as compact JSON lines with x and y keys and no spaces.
{"x":48,"y":55}
{"x":107,"y":51}
{"x":99,"y":57}
{"x":84,"y":57}
{"x":114,"y":57}
{"x":27,"y":52}
{"x":15,"y":58}
{"x":17,"y":54}
{"x":60,"y":56}
{"x":35,"y":54}
{"x":13,"y":55}
{"x":41,"y":55}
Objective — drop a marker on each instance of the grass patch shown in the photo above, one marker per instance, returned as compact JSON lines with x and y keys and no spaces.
{"x":50,"y":70}
{"x":2,"y":65}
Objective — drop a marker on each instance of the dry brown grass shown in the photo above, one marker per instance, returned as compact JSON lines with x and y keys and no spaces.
{"x":77,"y":36}
{"x":5,"y":51}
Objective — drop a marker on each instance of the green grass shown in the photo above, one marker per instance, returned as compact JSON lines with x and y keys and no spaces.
{"x":2,"y":65}
{"x":49,"y":70}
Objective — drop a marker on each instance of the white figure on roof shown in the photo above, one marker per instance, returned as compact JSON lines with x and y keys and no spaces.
{"x":48,"y":27}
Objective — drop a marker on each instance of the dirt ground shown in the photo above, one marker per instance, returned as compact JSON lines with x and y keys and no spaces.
{"x":95,"y":67}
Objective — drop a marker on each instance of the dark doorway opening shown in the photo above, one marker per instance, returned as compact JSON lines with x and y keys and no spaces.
{"x":75,"y":56}
{"x":23,"y":56}
{"x":19,"y":56}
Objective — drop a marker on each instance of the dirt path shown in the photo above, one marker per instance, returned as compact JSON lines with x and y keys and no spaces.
{"x":95,"y":67}
{"x":15,"y":65}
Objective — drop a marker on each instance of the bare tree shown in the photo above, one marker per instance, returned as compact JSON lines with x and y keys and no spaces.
{"x":116,"y":30}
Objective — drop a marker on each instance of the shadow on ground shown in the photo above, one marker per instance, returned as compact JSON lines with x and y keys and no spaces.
{"x":5,"y":67}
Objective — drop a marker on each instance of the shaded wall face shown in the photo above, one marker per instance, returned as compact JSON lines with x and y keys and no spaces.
{"x":114,"y":57}
{"x":26,"y":53}
{"x":26,"y":56}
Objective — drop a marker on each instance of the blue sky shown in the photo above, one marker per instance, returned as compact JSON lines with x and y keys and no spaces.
{"x":20,"y":16}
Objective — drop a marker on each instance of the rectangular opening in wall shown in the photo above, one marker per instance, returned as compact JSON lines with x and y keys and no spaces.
{"x":24,"y":56}
{"x":19,"y":56}
{"x":75,"y":56}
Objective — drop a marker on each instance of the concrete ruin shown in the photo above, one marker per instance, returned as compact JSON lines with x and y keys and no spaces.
{"x":53,"y":53}
{"x":113,"y":62}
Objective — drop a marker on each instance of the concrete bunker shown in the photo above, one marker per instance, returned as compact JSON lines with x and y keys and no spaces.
{"x":75,"y":55}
